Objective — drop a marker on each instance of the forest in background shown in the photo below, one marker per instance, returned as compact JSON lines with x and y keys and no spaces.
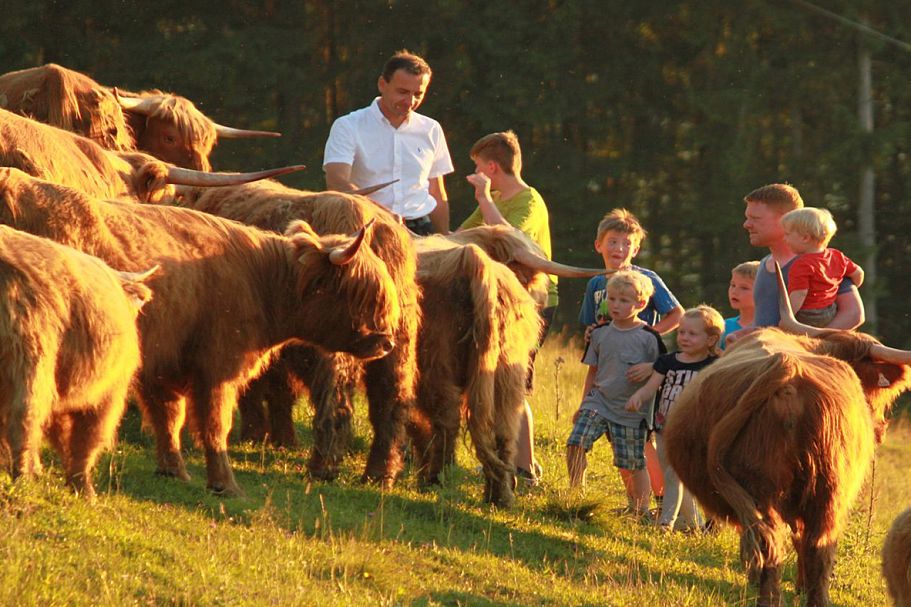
{"x":674,"y":110}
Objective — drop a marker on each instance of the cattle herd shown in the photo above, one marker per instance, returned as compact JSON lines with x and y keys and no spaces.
{"x":255,"y":293}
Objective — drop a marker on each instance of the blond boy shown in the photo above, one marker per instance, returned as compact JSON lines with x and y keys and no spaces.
{"x":817,"y":272}
{"x":740,"y":298}
{"x":614,"y":348}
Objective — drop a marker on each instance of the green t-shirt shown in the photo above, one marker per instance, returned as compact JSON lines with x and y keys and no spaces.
{"x":527,"y":212}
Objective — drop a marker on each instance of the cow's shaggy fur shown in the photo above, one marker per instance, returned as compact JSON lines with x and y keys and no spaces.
{"x":227,"y":297}
{"x":331,"y":379}
{"x":473,"y":356}
{"x":69,"y":350}
{"x":817,"y":405}
{"x":897,"y":560}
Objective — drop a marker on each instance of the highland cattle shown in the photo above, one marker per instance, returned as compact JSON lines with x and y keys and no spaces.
{"x":166,"y":126}
{"x":228,"y":297}
{"x":897,"y":560}
{"x":70,"y":350}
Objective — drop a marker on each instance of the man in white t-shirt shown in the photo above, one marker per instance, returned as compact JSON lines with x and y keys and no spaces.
{"x":388,"y":140}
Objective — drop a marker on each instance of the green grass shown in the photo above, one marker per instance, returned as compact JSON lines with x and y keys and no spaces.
{"x":149,"y":541}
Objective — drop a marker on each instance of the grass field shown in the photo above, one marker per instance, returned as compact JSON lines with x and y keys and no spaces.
{"x":152,"y":541}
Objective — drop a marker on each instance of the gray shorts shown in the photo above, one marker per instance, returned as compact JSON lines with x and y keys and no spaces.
{"x":820,"y":317}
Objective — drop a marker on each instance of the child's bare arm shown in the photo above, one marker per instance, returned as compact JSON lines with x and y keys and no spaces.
{"x":589,"y":380}
{"x":857,"y":277}
{"x":797,"y":298}
{"x":645,"y":393}
{"x":669,"y":321}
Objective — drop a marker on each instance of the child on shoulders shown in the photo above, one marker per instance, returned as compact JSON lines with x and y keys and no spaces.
{"x":816,"y":274}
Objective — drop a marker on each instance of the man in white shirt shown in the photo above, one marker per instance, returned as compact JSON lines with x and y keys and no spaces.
{"x":388,"y":140}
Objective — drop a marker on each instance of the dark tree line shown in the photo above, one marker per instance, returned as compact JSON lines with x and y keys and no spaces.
{"x":674,"y":110}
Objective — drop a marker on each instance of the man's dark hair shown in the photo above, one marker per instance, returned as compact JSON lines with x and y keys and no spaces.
{"x":403,"y":60}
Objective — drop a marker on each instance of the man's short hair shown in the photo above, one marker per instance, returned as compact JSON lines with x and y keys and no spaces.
{"x":502,"y":148}
{"x":781,"y":197}
{"x":817,"y":224}
{"x":404,"y":60}
{"x":637,"y":282}
{"x":620,"y":220}
{"x":746,"y":269}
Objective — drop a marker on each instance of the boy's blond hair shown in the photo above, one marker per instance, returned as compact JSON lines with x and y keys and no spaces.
{"x":781,"y":197}
{"x":502,"y":148}
{"x":713,"y":322}
{"x":817,"y":224}
{"x":746,"y":269}
{"x":621,"y":220}
{"x":637,"y":282}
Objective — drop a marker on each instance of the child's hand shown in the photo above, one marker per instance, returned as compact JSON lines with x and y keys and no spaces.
{"x":634,"y":403}
{"x":481,"y":183}
{"x":639,"y":373}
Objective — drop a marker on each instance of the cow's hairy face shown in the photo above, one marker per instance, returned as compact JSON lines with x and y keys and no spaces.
{"x":355,"y":305}
{"x":164,"y":140}
{"x":882,"y":382}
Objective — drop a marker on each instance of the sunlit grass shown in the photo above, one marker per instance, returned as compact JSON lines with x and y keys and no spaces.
{"x":152,"y":540}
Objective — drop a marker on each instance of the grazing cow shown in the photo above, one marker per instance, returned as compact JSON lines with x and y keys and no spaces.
{"x":817,"y":404}
{"x":897,"y":560}
{"x":69,"y":352}
{"x":227,"y":298}
{"x":167,"y":126}
{"x":50,"y":153}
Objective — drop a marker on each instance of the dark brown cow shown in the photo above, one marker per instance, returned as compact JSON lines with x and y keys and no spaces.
{"x":50,"y":153}
{"x":897,"y":560}
{"x":69,"y":352}
{"x":777,"y":436}
{"x":226,"y":299}
{"x":167,"y":126}
{"x":389,"y":382}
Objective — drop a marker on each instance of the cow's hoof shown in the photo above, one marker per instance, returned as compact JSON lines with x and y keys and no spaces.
{"x":384,"y":482}
{"x":178,"y":474}
{"x":226,"y":491}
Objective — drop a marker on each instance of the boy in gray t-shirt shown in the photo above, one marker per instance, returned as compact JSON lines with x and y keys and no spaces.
{"x":614,"y":348}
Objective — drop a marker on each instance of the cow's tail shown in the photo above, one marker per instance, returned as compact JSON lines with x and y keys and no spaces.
{"x":485,"y":354}
{"x":761,"y":537}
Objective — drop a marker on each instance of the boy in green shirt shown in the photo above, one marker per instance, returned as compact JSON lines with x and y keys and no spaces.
{"x":504,"y":198}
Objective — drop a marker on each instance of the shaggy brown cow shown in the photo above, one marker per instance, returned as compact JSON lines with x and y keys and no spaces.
{"x":57,"y":155}
{"x":389,"y":382}
{"x":778,"y":434}
{"x":897,"y":560}
{"x":69,"y":353}
{"x":474,"y":354}
{"x":227,"y":297}
{"x":167,"y":126}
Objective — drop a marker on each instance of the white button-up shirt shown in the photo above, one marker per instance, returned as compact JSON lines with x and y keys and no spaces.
{"x":414,"y":153}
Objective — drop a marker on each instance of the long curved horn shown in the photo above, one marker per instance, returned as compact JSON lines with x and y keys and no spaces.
{"x":788,"y":321}
{"x":371,"y":189}
{"x":890,"y":355}
{"x":140,"y":105}
{"x":228,"y":132}
{"x":343,"y":255}
{"x":139,"y":276}
{"x":541,"y":264}
{"x":180,"y":176}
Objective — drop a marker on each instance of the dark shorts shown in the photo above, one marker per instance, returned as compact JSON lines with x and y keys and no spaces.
{"x":421,"y":226}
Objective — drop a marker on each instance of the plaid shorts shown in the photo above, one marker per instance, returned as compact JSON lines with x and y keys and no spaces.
{"x":588,"y":428}
{"x":629,"y":445}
